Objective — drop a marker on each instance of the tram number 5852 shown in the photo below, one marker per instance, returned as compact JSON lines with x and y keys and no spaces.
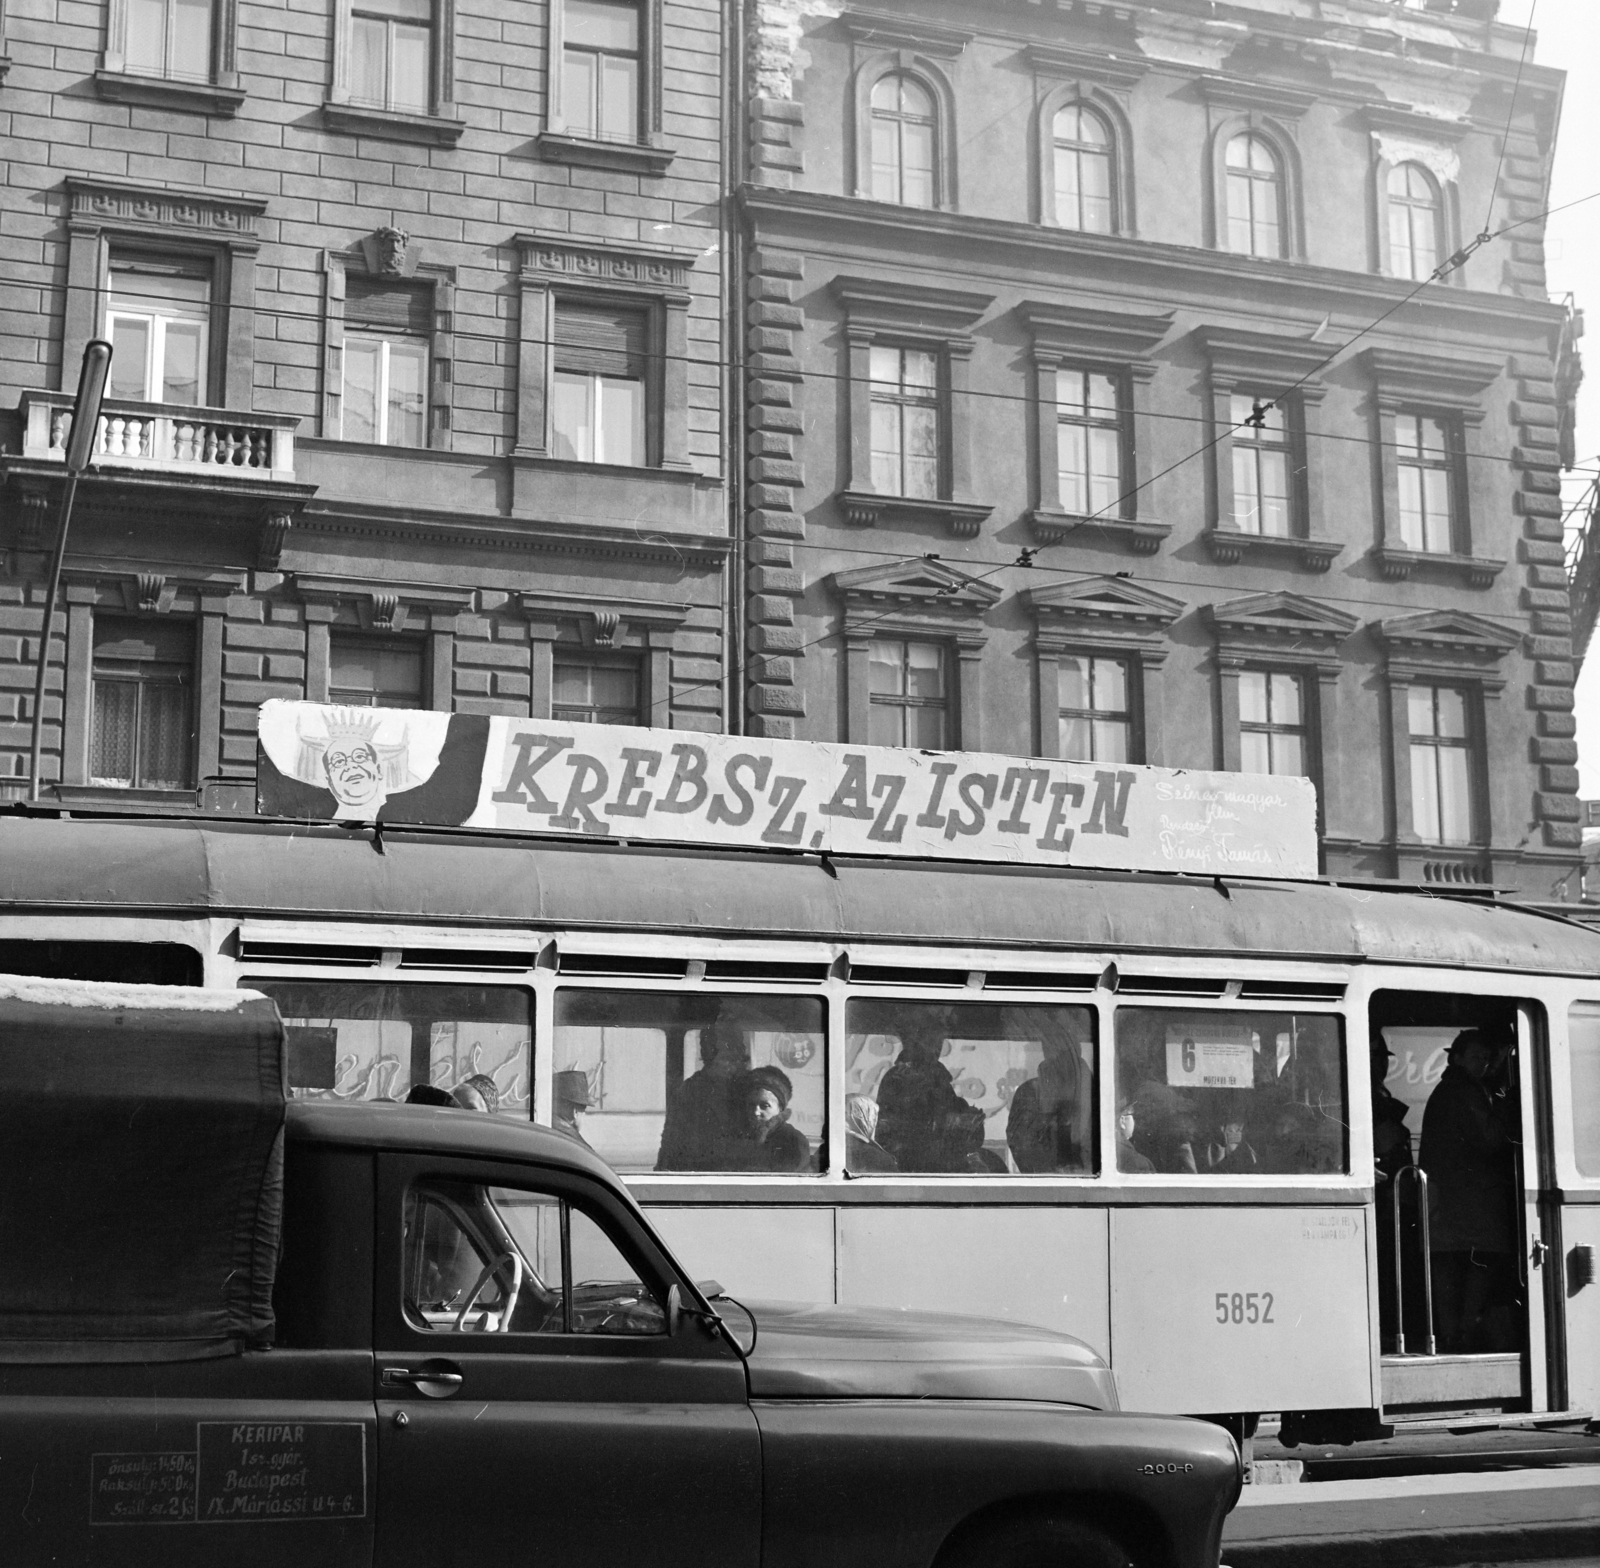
{"x":1239,"y":1307}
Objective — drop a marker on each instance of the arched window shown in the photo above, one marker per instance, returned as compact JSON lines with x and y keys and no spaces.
{"x":1255,"y":197}
{"x":1414,"y":213}
{"x":904,"y":141}
{"x":1084,"y":176}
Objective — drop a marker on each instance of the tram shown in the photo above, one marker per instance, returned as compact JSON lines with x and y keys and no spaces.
{"x":1156,"y":1111}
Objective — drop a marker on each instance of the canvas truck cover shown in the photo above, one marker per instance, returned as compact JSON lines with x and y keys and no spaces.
{"x":141,"y":1170}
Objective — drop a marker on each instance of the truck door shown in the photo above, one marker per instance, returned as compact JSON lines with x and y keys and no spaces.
{"x":531,"y":1403}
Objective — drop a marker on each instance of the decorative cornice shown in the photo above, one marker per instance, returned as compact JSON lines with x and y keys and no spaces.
{"x":1102,"y":606}
{"x":618,"y":613}
{"x":439,"y":130}
{"x":864,"y":508}
{"x":1229,"y":546}
{"x":102,"y":199}
{"x":1408,"y":376}
{"x":1251,"y":93}
{"x":922,"y":593}
{"x":625,"y":157}
{"x":887,"y":30}
{"x":558,"y":257}
{"x":1407,"y":121}
{"x":1079,"y":330}
{"x":163,"y":92}
{"x":1269,"y":356}
{"x":1104,"y":66}
{"x":1397,"y":565}
{"x":326,"y":588}
{"x":1285,"y":622}
{"x":884,"y":305}
{"x":1452,"y":636}
{"x":1142,"y":535}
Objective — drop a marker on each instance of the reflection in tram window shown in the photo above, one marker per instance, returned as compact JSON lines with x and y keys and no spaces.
{"x":360,"y":1040}
{"x":1213,"y":1093}
{"x":1583,"y":1034}
{"x":698,"y":1082}
{"x":971,"y":1088}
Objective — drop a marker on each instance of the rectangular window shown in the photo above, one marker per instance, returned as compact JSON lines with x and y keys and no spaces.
{"x":370,"y":672}
{"x":1261,"y":469}
{"x":158,"y":320}
{"x":1441,"y":765}
{"x":387,"y":331}
{"x":142,"y":730}
{"x":600,"y":69}
{"x":1096,"y":721}
{"x":1583,"y":1047}
{"x":391,"y":54}
{"x":599,"y":401}
{"x":1425,"y":464}
{"x":170,"y":38}
{"x":592,"y":691}
{"x":907,"y":687}
{"x":1089,"y":441}
{"x":969,"y":1088}
{"x":664,"y":1082}
{"x":363,"y":1040}
{"x":906,"y":435}
{"x":1272,"y":725}
{"x":1220,"y":1093}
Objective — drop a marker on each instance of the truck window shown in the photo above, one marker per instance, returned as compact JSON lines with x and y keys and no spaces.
{"x":1583,"y":1036}
{"x":503,"y":1260}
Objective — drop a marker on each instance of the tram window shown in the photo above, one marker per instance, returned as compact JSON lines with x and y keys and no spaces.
{"x":363,"y":1040}
{"x":969,"y":1088}
{"x":1583,"y":1037}
{"x":1214,"y":1093}
{"x":671,"y":1082}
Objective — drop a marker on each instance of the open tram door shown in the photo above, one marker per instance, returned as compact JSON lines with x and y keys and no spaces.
{"x":1461,"y":1145}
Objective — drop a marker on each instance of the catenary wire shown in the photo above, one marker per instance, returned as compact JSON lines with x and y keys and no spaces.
{"x":1511,"y":109}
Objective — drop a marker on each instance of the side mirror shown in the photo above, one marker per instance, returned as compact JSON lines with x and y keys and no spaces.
{"x":674,"y":1310}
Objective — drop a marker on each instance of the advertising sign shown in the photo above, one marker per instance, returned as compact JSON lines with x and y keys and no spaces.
{"x":732,"y":791}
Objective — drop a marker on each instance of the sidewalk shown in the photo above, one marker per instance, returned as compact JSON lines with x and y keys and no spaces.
{"x":1418,"y":1521}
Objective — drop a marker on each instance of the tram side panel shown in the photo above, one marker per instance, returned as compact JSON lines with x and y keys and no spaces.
{"x":1240,"y":1309}
{"x":1580,"y":1227}
{"x":756,"y":1253}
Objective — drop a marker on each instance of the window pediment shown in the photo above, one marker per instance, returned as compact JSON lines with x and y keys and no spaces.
{"x":927,"y":595}
{"x":1082,"y":332}
{"x":1120,"y":66}
{"x":1402,"y":120}
{"x":883,"y":305}
{"x":1272,"y":357}
{"x":1438,"y":380}
{"x":887,"y":30}
{"x":380,"y":605}
{"x":1104,"y":611}
{"x":553,"y":258}
{"x":1252,"y":94}
{"x":1282,"y":623}
{"x":125,"y":204}
{"x":607,"y":622}
{"x":1438,"y":638}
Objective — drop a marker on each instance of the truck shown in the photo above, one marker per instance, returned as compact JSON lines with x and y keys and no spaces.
{"x":240,"y":1328}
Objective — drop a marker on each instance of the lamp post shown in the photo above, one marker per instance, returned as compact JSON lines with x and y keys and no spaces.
{"x":80,"y":445}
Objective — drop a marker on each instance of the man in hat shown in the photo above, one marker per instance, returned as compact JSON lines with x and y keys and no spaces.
{"x":1391,"y":1154}
{"x":1469,"y":1130}
{"x":570,"y":1095}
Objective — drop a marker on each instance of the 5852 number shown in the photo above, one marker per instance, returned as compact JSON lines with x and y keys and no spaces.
{"x":1247,"y":1308}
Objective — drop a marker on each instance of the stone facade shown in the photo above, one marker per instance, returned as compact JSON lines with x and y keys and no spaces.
{"x":973,"y":266}
{"x":250,"y":521}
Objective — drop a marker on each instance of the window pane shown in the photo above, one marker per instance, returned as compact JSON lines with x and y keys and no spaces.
{"x":621,"y":422}
{"x":1110,"y":740}
{"x":409,"y":88}
{"x":116,"y":709}
{"x":616,"y":689}
{"x":886,"y":725}
{"x":1238,"y":154}
{"x":1419,"y":709}
{"x":1252,"y":697}
{"x":696,"y":1083}
{"x":921,"y":369}
{"x":1110,"y":685}
{"x":922,"y":453}
{"x":1073,"y":677}
{"x":191,"y":39}
{"x":1246,"y":497}
{"x":607,"y":1295}
{"x":1255,"y":752}
{"x":887,"y":476}
{"x":1411,"y":514}
{"x":1452,"y":710}
{"x":374,"y":1041}
{"x":374,"y":674}
{"x":130,"y":359}
{"x":1215,"y":1093}
{"x":1583,"y":1037}
{"x":368,"y":37}
{"x":147,"y":36}
{"x":1288,"y":756}
{"x":619,"y":98}
{"x":603,"y":24}
{"x":924,"y":669}
{"x":579,"y":92}
{"x":359,"y":418}
{"x":1436,"y":510}
{"x":1266,"y":237}
{"x":1105,"y":462}
{"x":970,"y":1088}
{"x":572,"y":416}
{"x":1455,"y":802}
{"x":885,"y":160}
{"x":1094,"y":182}
{"x":1102,"y":396}
{"x":1239,"y":228}
{"x":1425,"y":793}
{"x":164,"y":736}
{"x":916,"y":171}
{"x":1077,"y":739}
{"x":1274,"y":493}
{"x":1285,"y":699}
{"x":182,"y":367}
{"x":1072,"y":393}
{"x":886,"y":667}
{"x":925,"y":727}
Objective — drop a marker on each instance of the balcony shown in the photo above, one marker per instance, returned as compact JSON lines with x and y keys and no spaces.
{"x":206,"y":444}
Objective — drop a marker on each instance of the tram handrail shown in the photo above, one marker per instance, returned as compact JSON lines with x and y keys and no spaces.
{"x":1421,"y":1184}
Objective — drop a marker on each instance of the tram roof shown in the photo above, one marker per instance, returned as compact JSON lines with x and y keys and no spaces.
{"x":325,"y":873}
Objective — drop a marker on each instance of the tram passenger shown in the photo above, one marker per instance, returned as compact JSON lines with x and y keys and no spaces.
{"x":769,"y":1141}
{"x":1469,"y":1129}
{"x":702,"y":1128}
{"x":1167,"y":1129}
{"x":1228,"y":1151}
{"x":863,"y":1154}
{"x":1047,"y":1125}
{"x":477,"y":1093}
{"x":570,"y":1093}
{"x":1128,"y":1157}
{"x":1391,"y":1154}
{"x":922,"y":1121}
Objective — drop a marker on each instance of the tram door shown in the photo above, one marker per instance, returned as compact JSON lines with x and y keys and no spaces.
{"x":1459,"y":1143}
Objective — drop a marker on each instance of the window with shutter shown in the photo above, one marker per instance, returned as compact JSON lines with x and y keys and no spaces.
{"x":598,"y":384}
{"x":388,"y":325}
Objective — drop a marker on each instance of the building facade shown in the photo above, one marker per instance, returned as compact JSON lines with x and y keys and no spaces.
{"x":1101,"y":405}
{"x":417,"y":391}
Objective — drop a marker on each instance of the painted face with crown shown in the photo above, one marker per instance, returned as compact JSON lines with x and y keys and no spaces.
{"x":354,"y":773}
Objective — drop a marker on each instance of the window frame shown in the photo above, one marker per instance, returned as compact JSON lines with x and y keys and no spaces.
{"x":438,"y":122}
{"x":1260,"y":444}
{"x":1127,"y":714}
{"x":384,"y":342}
{"x":590,"y":659}
{"x":650,"y":380}
{"x":902,"y":702}
{"x":350,"y":638}
{"x":900,"y":172}
{"x":918,"y":68}
{"x":1120,"y":423}
{"x":1435,"y":209}
{"x":219,"y":93}
{"x":135,"y":261}
{"x":648,"y":154}
{"x":1272,"y":728}
{"x":1077,"y":150}
{"x":187,"y":681}
{"x":1277,"y":135}
{"x":1470,"y":744}
{"x":1416,"y":459}
{"x":905,"y":397}
{"x":368,"y":11}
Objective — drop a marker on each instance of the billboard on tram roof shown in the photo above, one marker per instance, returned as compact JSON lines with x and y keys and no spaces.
{"x":543,"y":777}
